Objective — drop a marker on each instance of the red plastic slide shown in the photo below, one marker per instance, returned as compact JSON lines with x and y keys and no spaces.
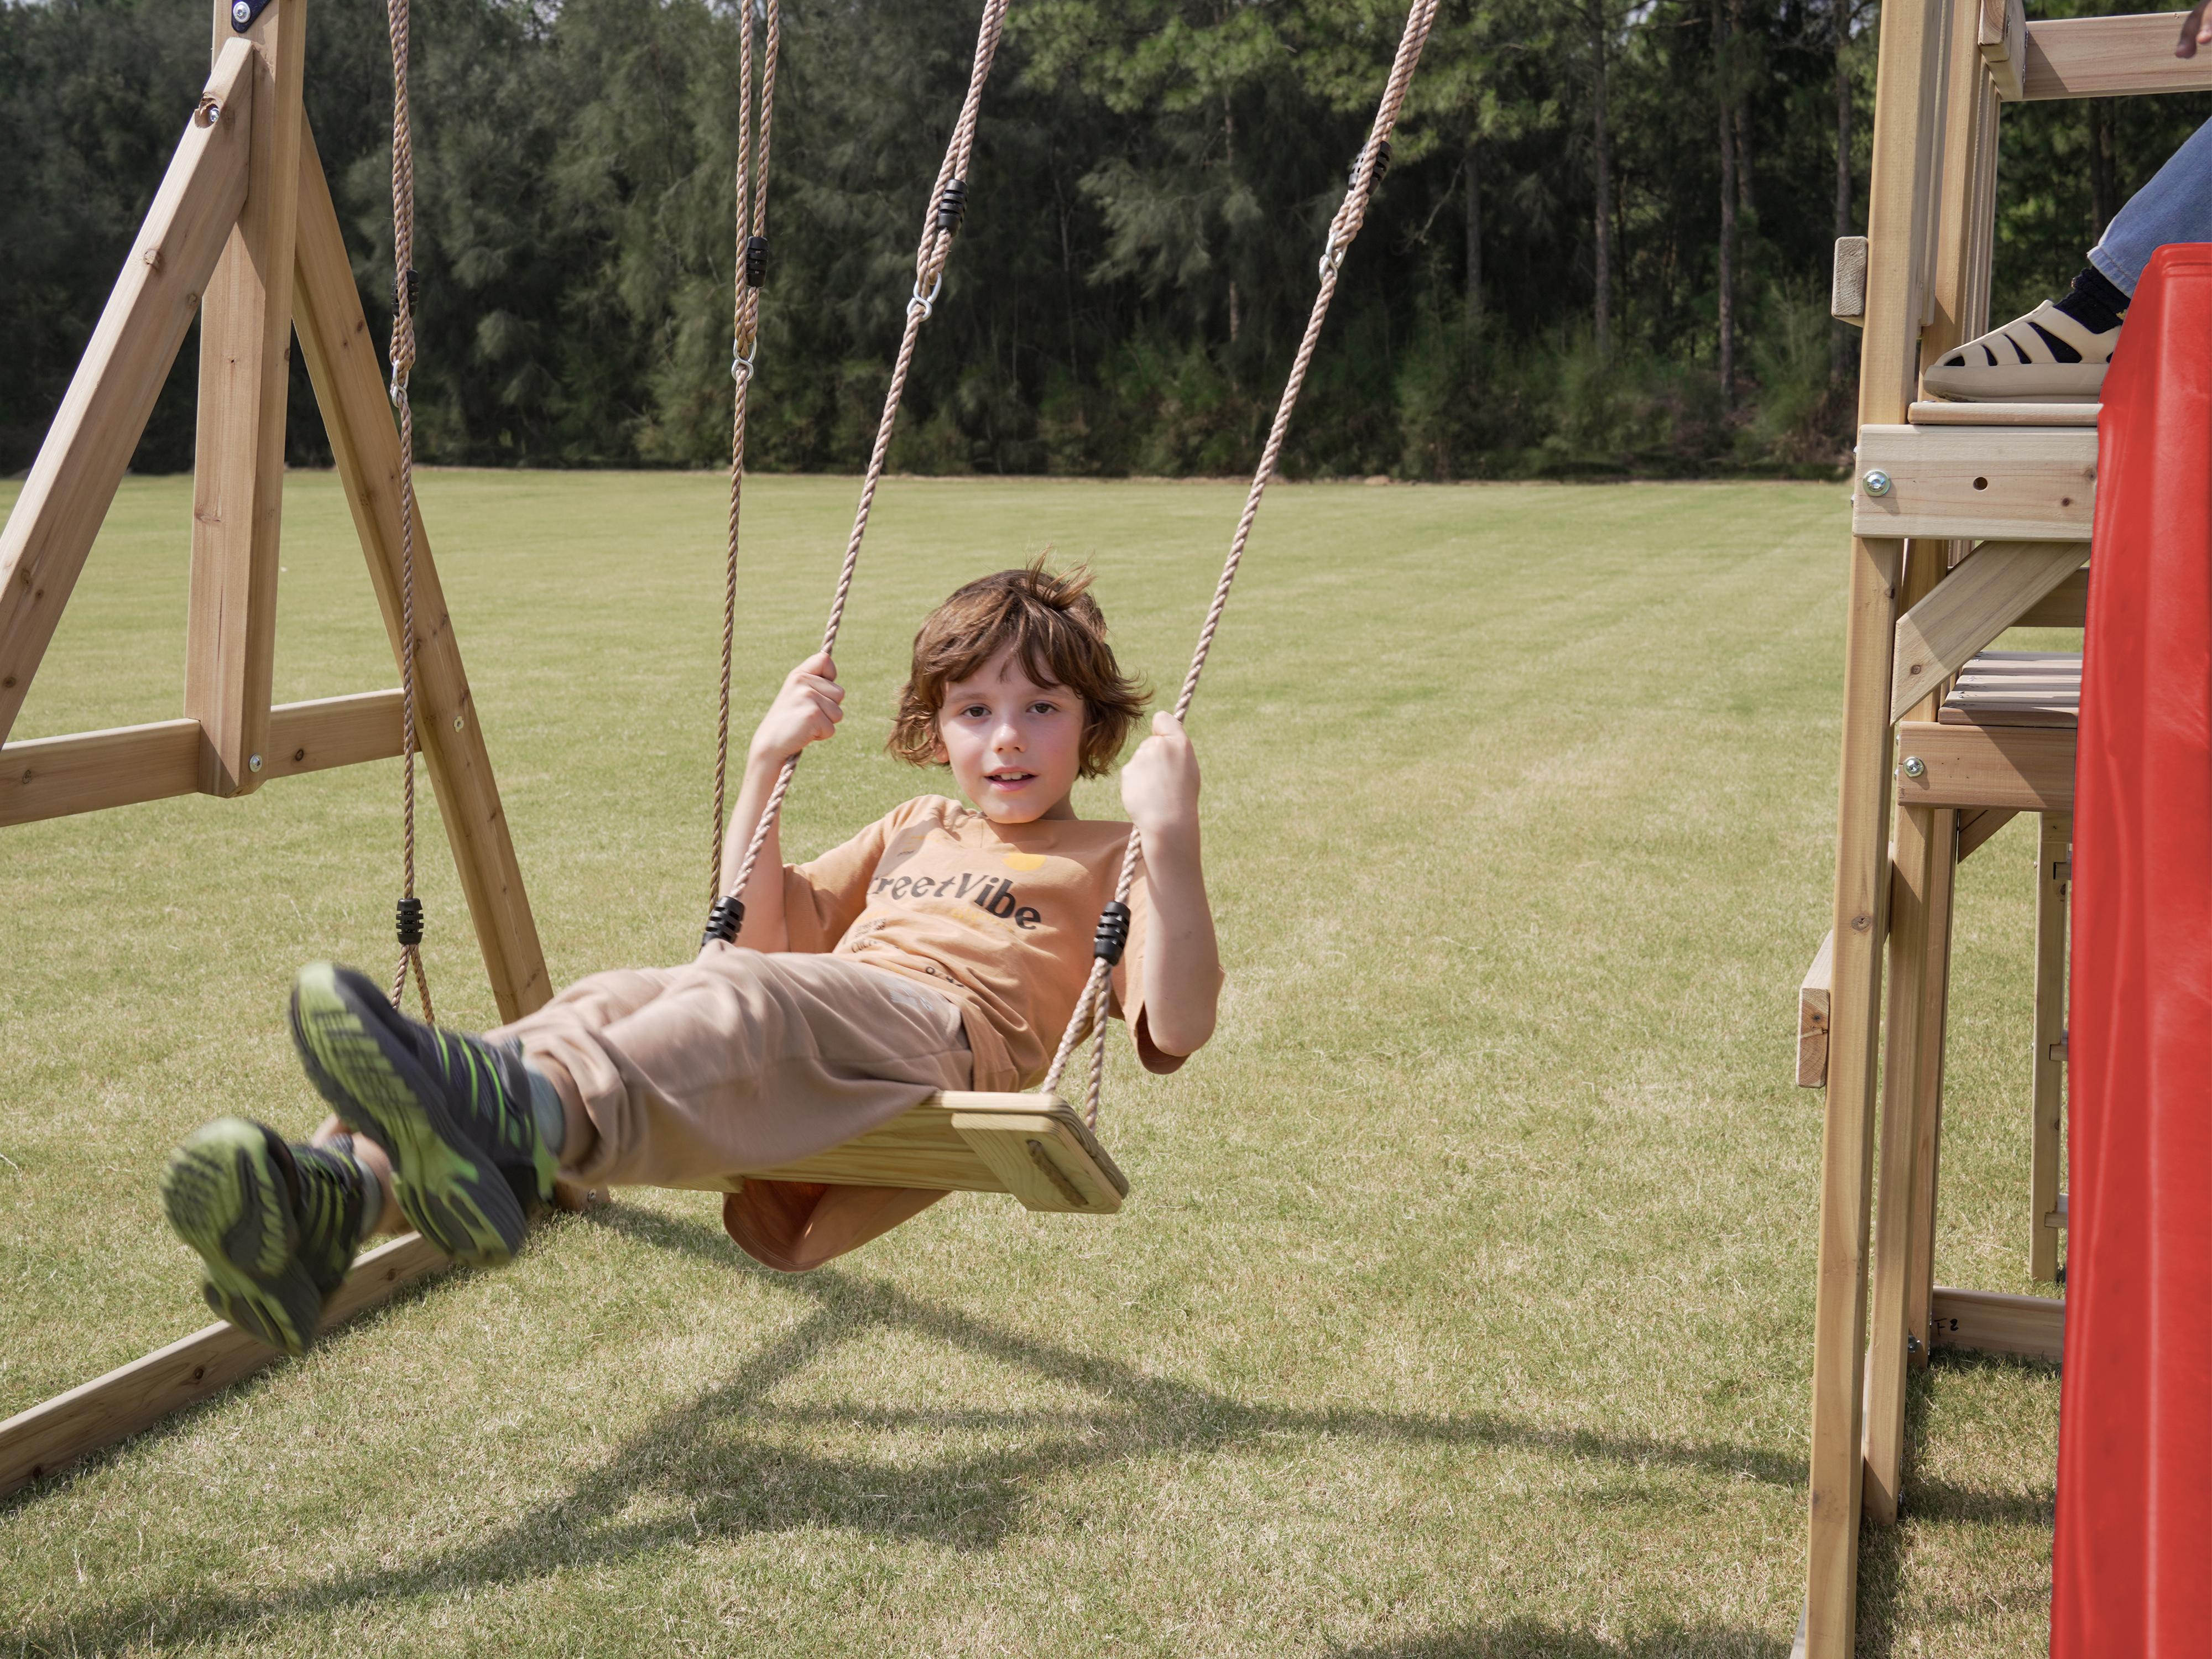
{"x":2133,"y":1571}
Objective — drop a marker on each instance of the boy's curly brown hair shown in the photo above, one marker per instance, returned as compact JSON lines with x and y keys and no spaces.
{"x":1055,"y":624}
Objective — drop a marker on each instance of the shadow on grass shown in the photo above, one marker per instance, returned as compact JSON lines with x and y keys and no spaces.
{"x":1530,"y":1638}
{"x":1885,"y":1551}
{"x":705,"y":1476}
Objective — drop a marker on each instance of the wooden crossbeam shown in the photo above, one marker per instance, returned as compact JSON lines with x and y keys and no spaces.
{"x":1985,"y":595}
{"x":2110,"y":58}
{"x":2026,"y":768}
{"x":125,"y":765}
{"x":2000,"y":483}
{"x":72,"y":482}
{"x":1997,"y":1323}
{"x":36,"y":1443}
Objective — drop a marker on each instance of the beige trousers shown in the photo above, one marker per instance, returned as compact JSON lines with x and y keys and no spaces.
{"x":741,"y":1060}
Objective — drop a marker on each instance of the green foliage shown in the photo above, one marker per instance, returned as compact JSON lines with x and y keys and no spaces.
{"x":1152,"y":183}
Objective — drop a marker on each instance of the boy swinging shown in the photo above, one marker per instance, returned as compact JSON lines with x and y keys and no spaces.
{"x":941,"y":948}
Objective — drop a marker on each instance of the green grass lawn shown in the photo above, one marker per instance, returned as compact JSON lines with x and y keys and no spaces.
{"x":1464,"y":1304}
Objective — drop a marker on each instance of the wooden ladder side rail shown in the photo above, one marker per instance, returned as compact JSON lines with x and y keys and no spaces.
{"x":2109,"y":58}
{"x":349,"y":382}
{"x":91,"y":771}
{"x":73,"y":481}
{"x":46,"y":1438}
{"x":238,"y":467}
{"x":1985,"y":593}
{"x":1909,"y":98}
{"x":2054,"y":859}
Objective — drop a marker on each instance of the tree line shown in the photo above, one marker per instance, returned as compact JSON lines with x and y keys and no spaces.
{"x":1602,"y":245}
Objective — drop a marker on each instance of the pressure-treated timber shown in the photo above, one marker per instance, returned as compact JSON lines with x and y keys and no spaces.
{"x":2054,"y":862}
{"x":1977,"y":824}
{"x":1981,"y":597}
{"x":935,"y":1144}
{"x":1813,"y":1018}
{"x":2027,"y":769}
{"x":2002,"y":484}
{"x":238,"y":469}
{"x":2110,"y":58}
{"x":1995,"y":1323}
{"x":2016,"y":687}
{"x":1925,"y":1108}
{"x":1934,"y":412}
{"x":90,"y":771}
{"x":348,"y":383}
{"x":36,"y":1443}
{"x":2002,"y":40}
{"x":72,"y":481}
{"x":1908,"y":82}
{"x":2066,"y":606}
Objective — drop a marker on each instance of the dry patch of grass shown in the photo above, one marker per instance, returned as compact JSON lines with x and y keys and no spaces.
{"x":1464,"y":1307}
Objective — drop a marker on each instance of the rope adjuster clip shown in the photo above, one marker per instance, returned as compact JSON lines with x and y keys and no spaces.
{"x":927,"y":304}
{"x":409,"y":917}
{"x":724,"y":920}
{"x":1113,"y":935}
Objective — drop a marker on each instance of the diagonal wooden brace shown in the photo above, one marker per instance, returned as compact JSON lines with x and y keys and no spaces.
{"x":72,"y":484}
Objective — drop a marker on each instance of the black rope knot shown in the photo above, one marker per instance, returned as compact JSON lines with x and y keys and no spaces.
{"x":724,"y":920}
{"x":411,"y":923}
{"x":1113,"y":935}
{"x":755,"y":261}
{"x":953,"y":209}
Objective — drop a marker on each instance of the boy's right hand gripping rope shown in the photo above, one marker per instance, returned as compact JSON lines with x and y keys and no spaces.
{"x":1113,"y":935}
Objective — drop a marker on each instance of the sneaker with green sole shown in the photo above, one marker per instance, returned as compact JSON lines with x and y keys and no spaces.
{"x":276,"y":1226}
{"x":452,"y":1110}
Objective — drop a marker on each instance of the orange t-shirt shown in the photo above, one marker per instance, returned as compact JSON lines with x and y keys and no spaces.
{"x":1000,"y":916}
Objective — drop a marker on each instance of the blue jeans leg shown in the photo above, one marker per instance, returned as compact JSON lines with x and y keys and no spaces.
{"x":2175,"y":206}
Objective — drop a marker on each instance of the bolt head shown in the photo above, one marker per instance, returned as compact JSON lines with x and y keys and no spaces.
{"x":253,"y":763}
{"x":1876,"y":482}
{"x":1915,"y":767}
{"x":242,"y":14}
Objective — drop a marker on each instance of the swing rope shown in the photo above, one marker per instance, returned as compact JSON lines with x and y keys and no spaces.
{"x":750,"y":268}
{"x":1374,"y":161}
{"x":940,"y":224}
{"x":410,"y":908}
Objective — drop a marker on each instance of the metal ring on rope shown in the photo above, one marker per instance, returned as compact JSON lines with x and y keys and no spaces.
{"x":741,"y":361}
{"x":927,"y":306}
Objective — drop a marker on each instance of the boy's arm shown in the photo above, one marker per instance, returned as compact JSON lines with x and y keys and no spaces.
{"x":806,"y":710}
{"x":1180,"y":965}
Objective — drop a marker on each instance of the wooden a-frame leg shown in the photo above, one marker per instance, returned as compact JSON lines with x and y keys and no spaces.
{"x":72,"y":482}
{"x":238,"y":484}
{"x":2055,"y":853}
{"x":341,"y":362}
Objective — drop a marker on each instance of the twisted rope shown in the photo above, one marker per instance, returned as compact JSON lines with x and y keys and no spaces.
{"x":936,"y":245}
{"x":744,"y":332}
{"x":1350,"y":216}
{"x":402,"y":364}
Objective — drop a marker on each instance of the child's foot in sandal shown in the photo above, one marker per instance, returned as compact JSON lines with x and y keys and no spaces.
{"x":2057,"y":353}
{"x":468,"y":1159}
{"x":276,"y":1226}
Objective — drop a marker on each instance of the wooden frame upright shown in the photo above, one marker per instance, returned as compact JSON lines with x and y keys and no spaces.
{"x":1966,"y":520}
{"x":243,"y":233}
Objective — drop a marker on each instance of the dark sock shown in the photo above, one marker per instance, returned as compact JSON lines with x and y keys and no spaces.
{"x":2095,"y":302}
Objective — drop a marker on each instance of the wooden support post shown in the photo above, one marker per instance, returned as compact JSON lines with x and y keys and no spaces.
{"x":72,"y":482}
{"x":1910,"y":83}
{"x":348,"y":383}
{"x":238,"y":489}
{"x":1926,"y":1102}
{"x":2053,"y":882}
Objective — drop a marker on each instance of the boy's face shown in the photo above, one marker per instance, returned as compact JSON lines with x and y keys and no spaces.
{"x":1015,"y":747}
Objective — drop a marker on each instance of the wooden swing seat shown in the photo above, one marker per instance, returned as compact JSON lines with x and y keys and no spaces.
{"x":1035,"y":1147}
